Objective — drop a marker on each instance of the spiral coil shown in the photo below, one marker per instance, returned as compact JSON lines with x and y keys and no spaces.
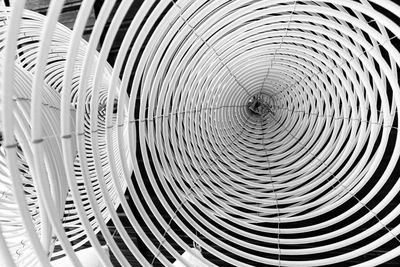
{"x":263,"y":132}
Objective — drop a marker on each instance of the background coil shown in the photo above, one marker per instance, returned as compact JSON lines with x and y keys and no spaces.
{"x":263,"y":132}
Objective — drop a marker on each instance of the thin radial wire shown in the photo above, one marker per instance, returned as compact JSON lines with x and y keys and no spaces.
{"x":210,"y":47}
{"x":280,"y":45}
{"x":336,"y":66}
{"x":169,"y":223}
{"x":274,"y":192}
{"x":71,"y":134}
{"x":348,"y":191}
{"x":201,"y":110}
{"x":343,"y":118}
{"x":203,"y":171}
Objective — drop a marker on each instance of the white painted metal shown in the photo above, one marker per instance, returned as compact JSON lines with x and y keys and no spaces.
{"x":173,"y":109}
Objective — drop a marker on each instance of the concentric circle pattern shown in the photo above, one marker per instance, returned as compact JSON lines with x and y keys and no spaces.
{"x":259,"y":132}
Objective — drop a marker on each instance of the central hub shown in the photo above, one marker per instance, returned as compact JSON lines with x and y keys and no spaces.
{"x":258,"y":105}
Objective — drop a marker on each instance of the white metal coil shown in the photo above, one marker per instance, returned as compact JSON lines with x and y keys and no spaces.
{"x":311,"y":179}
